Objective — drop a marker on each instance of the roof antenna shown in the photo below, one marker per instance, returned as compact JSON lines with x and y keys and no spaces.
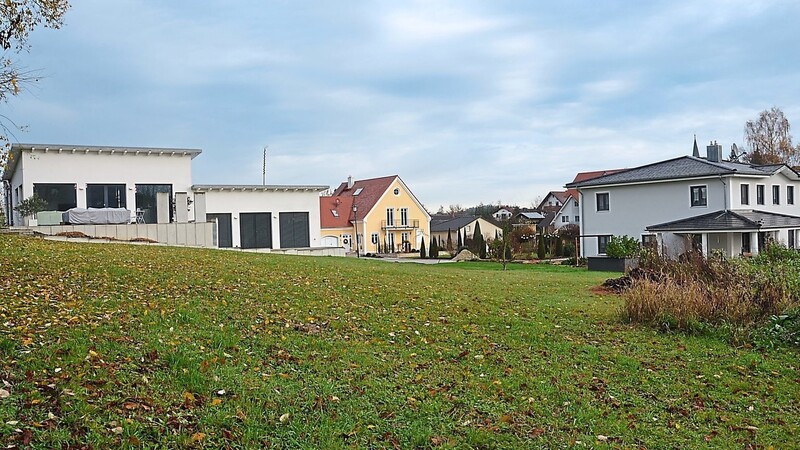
{"x":264,"y":167}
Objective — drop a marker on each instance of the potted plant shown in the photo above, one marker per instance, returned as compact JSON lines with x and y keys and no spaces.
{"x":622,"y":255}
{"x":29,"y":207}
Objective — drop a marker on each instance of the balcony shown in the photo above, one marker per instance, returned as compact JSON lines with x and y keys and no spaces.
{"x":396,"y":225}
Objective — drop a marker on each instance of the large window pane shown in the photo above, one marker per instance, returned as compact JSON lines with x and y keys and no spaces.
{"x":59,"y":196}
{"x":146,"y":200}
{"x":105,"y":196}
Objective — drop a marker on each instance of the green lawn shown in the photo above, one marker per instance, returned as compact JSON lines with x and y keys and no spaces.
{"x":142,"y":346}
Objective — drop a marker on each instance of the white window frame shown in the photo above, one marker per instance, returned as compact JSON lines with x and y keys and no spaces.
{"x":763,"y":189}
{"x":790,"y":195}
{"x":389,"y":217}
{"x":744,"y":188}
{"x":403,"y":217}
{"x":607,"y":237}
{"x":776,"y":199}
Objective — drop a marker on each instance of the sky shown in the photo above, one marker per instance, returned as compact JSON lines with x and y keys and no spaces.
{"x":467,"y":101}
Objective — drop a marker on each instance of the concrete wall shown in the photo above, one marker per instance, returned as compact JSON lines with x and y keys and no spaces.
{"x":80,"y":169}
{"x":275,"y":202}
{"x":188,"y":234}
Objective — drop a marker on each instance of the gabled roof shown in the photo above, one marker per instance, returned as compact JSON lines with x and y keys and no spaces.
{"x":365,"y":194}
{"x":548,"y":220}
{"x":727,"y":220}
{"x":454,"y":224}
{"x":680,"y":168}
{"x":335,"y":212}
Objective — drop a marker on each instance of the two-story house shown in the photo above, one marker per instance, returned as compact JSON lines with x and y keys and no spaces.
{"x":384,"y":210}
{"x":708,"y":203}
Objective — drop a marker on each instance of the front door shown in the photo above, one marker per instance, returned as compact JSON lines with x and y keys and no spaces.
{"x":224,"y":229}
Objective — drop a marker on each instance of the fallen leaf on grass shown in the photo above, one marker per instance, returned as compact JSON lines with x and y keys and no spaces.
{"x":197,"y":437}
{"x":216,"y":401}
{"x":4,"y":393}
{"x":284,"y":418}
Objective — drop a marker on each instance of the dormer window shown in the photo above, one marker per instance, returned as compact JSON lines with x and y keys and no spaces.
{"x":358,"y":191}
{"x":335,"y":213}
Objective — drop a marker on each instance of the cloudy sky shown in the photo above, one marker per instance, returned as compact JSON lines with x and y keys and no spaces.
{"x":467,"y":101}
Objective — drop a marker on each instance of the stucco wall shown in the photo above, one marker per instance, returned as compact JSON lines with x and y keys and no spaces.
{"x":275,"y":202}
{"x":104,"y":168}
{"x":373,"y":220}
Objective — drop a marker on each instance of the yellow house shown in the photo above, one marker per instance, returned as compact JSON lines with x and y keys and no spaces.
{"x":382,"y":212}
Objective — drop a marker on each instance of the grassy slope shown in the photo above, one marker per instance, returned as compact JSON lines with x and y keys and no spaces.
{"x":132,"y":345}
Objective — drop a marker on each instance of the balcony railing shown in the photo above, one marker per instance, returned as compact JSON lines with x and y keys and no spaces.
{"x":396,"y":225}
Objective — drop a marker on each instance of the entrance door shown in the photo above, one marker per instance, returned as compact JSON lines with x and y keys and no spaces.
{"x":347,"y":242}
{"x":255,"y":230}
{"x":224,"y":229}
{"x":330,"y":241}
{"x":294,"y":230}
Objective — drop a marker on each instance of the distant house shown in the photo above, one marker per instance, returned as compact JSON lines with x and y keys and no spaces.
{"x":151,"y":192}
{"x":527,"y":218}
{"x":504,"y":213}
{"x":706,"y":203}
{"x":442,"y":225}
{"x":384,"y":210}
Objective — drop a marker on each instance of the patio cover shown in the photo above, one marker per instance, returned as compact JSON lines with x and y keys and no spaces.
{"x":97,"y":216}
{"x":729,"y":220}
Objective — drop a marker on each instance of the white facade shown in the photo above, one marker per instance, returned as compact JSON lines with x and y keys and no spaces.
{"x":83,"y":166}
{"x":238,"y":200}
{"x":635,"y":206}
{"x":570,"y":213}
{"x":503,"y":214}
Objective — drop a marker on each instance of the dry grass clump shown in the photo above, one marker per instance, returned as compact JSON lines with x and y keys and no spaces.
{"x":696,"y":290}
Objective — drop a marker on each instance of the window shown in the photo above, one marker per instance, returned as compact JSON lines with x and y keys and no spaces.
{"x":699,"y":195}
{"x":105,"y":196}
{"x":403,"y":217}
{"x":374,"y":238}
{"x":59,"y":197}
{"x":576,"y":203}
{"x":649,"y":241}
{"x":389,"y":217}
{"x":760,"y":194}
{"x":790,"y":195}
{"x":776,"y":195}
{"x":745,"y":242}
{"x":602,"y":201}
{"x":146,"y":200}
{"x":564,"y":219}
{"x":335,"y":213}
{"x":577,"y":219}
{"x":791,"y":243}
{"x":602,"y":243}
{"x":396,"y":191}
{"x":745,"y":194}
{"x":358,"y":191}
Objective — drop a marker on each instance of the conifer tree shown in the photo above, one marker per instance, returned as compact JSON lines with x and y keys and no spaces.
{"x":433,"y":252}
{"x":422,"y":249}
{"x":540,"y":251}
{"x":460,"y":242}
{"x":449,"y":241}
{"x":477,"y":241}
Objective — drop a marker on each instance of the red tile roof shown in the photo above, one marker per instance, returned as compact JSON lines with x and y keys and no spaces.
{"x":371,"y":191}
{"x":583,"y":176}
{"x":343,"y":207}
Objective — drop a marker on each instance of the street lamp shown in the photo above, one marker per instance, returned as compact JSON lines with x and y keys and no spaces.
{"x":355,"y":222}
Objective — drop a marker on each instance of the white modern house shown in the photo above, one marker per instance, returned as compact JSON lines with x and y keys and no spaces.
{"x":570,"y":212}
{"x":708,"y":203}
{"x":128,"y":192}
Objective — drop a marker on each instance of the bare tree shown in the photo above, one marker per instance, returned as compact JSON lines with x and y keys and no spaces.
{"x":18,"y":19}
{"x":769,"y":141}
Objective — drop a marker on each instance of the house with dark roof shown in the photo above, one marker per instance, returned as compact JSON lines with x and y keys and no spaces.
{"x":561,"y":208}
{"x":383,"y":209}
{"x":703,"y":202}
{"x":441,"y":226}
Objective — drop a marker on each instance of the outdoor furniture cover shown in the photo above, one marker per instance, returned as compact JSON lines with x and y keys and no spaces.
{"x":97,"y":216}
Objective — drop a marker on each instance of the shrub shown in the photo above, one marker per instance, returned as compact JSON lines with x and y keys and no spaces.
{"x":31,"y":205}
{"x":716,"y":290}
{"x":622,"y":247}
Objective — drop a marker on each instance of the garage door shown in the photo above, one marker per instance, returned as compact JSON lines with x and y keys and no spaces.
{"x":294,"y":230}
{"x":330,"y":241}
{"x":256,"y":230}
{"x":224,"y":230}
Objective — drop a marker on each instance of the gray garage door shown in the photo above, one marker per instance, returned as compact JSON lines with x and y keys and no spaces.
{"x":224,"y":230}
{"x":256,"y":229}
{"x":294,"y":230}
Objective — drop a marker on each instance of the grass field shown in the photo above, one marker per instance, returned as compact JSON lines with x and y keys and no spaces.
{"x":107,"y":345}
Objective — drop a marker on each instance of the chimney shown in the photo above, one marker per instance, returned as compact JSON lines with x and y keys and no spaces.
{"x":350,"y":182}
{"x":714,"y":152}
